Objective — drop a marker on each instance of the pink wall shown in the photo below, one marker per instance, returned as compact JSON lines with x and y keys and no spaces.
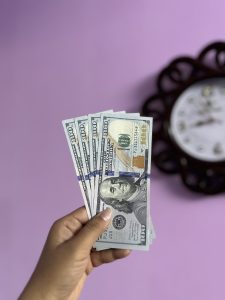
{"x":60,"y":59}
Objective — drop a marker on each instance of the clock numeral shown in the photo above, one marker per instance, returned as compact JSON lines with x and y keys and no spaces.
{"x":200,"y":148}
{"x":187,"y":140}
{"x":218,"y":149}
{"x":191,"y":100}
{"x":181,"y":126}
{"x":207,"y":91}
{"x":181,"y":113}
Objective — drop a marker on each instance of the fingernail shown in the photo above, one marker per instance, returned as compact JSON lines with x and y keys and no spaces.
{"x":106,"y":214}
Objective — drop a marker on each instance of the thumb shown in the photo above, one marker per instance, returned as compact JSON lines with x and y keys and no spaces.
{"x":92,"y":230}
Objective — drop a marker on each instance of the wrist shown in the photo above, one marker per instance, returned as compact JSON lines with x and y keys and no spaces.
{"x":34,"y":292}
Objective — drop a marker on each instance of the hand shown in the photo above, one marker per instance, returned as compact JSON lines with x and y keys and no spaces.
{"x":67,"y":258}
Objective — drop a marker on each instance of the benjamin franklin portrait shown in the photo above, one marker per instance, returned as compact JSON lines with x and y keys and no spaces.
{"x":126,"y":195}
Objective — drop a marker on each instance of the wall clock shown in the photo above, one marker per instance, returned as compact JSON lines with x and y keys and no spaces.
{"x":189,"y":119}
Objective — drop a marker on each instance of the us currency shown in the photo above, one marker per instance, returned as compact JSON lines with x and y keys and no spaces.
{"x":94,"y":123}
{"x":93,"y":133}
{"x":80,"y":151}
{"x":123,"y":182}
{"x":80,"y":168}
{"x":82,"y":128}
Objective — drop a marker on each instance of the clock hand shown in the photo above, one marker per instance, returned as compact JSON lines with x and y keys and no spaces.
{"x":205,"y":111}
{"x":206,"y":122}
{"x":207,"y":105}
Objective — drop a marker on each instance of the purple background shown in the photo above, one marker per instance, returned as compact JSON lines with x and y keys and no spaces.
{"x":61,"y":59}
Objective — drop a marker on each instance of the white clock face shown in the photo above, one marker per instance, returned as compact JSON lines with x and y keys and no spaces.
{"x":197,"y":121}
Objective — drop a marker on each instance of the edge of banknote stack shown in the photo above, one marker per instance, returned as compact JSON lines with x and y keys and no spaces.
{"x":111,"y":154}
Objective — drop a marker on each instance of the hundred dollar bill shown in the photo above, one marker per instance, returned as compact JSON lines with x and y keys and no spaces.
{"x":82,"y":128}
{"x":94,"y":121}
{"x":93,"y":132}
{"x":80,"y":168}
{"x":123,"y":182}
{"x":83,"y":131}
{"x":103,"y":246}
{"x":94,"y":126}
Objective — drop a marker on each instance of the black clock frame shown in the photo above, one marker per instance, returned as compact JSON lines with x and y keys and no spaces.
{"x":177,"y":76}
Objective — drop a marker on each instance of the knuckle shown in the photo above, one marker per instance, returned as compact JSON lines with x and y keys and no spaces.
{"x":56,"y":226}
{"x":116,"y":255}
{"x":95,"y":225}
{"x":76,"y":224}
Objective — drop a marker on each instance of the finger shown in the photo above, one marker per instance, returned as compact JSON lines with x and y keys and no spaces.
{"x":66,"y":227}
{"x":79,"y":214}
{"x":87,"y":236}
{"x":107,"y":256}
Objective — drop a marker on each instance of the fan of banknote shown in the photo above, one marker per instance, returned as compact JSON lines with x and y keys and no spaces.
{"x":111,"y":154}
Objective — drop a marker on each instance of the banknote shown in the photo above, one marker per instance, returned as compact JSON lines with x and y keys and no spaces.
{"x":94,"y":124}
{"x":81,"y":124}
{"x":93,"y":133}
{"x":122,"y":180}
{"x":80,"y":168}
{"x":111,"y":153}
{"x":77,"y":133}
